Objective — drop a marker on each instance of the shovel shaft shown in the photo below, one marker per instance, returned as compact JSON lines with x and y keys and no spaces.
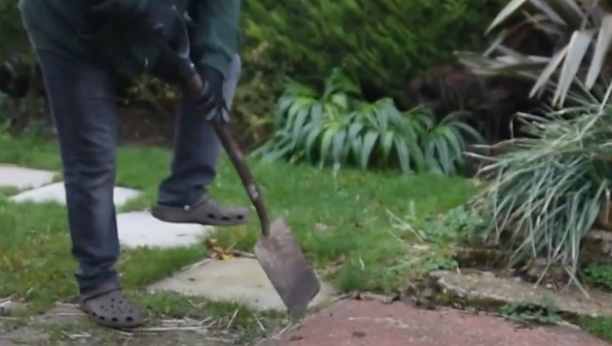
{"x":195,"y":83}
{"x":241,"y":166}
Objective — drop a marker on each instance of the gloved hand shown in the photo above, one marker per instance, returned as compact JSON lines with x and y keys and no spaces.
{"x":211,"y":101}
{"x":164,"y":18}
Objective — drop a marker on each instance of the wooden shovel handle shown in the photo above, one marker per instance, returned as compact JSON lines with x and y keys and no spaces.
{"x":195,"y":83}
{"x":241,"y":166}
{"x":237,"y":158}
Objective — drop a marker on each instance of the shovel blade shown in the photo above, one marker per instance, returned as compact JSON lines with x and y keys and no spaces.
{"x":284,"y":263}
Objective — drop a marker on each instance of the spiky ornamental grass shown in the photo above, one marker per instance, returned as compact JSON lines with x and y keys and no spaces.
{"x":579,"y":31}
{"x":547,"y":191}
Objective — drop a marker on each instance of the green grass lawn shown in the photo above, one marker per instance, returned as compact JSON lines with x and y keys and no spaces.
{"x":342,"y":221}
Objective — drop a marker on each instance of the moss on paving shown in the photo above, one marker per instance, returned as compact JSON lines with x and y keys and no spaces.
{"x":341,"y":219}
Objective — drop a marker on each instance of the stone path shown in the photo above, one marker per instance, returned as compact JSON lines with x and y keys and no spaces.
{"x":136,"y":229}
{"x":345,"y":323}
{"x":237,"y":279}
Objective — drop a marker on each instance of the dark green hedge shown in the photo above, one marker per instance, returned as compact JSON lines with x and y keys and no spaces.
{"x":12,"y":36}
{"x":382,"y":42}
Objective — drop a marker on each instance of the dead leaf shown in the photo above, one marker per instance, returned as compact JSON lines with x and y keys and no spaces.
{"x":211,"y":242}
{"x":215,"y":251}
{"x":221,"y":254}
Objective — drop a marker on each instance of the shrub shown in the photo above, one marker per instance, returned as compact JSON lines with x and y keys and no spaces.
{"x":493,"y":102}
{"x":338,"y":127}
{"x":547,"y":190}
{"x":11,"y":30}
{"x":383,"y":42}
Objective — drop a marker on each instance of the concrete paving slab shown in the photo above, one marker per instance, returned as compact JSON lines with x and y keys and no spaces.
{"x":7,"y":343}
{"x":140,"y":229}
{"x":360,"y":323}
{"x":489,"y":290}
{"x":24,"y":178}
{"x":239,"y":280}
{"x":60,"y":314}
{"x":26,"y":335}
{"x":57,"y":193}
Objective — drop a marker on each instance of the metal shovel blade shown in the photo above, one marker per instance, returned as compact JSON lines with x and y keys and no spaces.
{"x":283,"y":261}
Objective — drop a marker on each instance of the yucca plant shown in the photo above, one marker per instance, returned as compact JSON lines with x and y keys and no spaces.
{"x":580,"y":32}
{"x":548,"y":190}
{"x":337,"y":127}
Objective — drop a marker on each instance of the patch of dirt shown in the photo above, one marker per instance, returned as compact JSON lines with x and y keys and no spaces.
{"x":135,"y":125}
{"x":146,"y":127}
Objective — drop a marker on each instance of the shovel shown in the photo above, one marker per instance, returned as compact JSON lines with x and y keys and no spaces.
{"x":277,"y":251}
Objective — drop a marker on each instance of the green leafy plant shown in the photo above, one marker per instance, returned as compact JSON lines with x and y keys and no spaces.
{"x":444,"y":141}
{"x":548,"y":189}
{"x":337,"y":127}
{"x":431,"y":243}
{"x":545,"y":313}
{"x":578,"y":32}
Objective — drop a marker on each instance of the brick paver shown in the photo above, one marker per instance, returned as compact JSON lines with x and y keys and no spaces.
{"x":359,"y":323}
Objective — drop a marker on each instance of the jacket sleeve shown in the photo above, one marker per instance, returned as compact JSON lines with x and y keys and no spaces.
{"x":122,"y":7}
{"x":216,"y":36}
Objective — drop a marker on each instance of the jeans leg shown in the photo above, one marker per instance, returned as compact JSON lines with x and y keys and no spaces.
{"x":82,"y":107}
{"x":196,"y":151}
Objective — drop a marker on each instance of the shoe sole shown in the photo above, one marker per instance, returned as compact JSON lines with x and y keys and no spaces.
{"x":171,"y":215}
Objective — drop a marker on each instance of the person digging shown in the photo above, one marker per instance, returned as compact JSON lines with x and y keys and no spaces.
{"x":81,"y":46}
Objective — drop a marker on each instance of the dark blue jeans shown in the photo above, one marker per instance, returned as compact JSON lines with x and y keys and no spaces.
{"x":82,"y":106}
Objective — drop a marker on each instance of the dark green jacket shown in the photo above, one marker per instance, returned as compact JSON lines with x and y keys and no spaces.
{"x":118,"y":37}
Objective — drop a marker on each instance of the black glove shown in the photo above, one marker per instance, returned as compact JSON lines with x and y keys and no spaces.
{"x":211,"y":101}
{"x":163,"y":18}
